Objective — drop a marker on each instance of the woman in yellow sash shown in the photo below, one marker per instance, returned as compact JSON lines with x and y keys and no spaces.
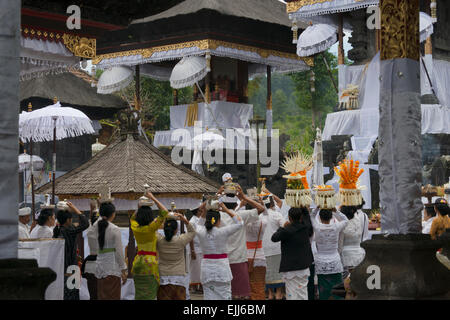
{"x":145,"y":265}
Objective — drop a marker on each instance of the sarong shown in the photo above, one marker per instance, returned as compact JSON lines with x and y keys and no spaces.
{"x":297,"y":288}
{"x":217,"y":290}
{"x":145,"y":286}
{"x":257,"y":283}
{"x":195,"y":268}
{"x":240,"y":285}
{"x":171,"y":292}
{"x":273,"y":276}
{"x":92,"y":285}
{"x":109,"y":288}
{"x":326,"y":282}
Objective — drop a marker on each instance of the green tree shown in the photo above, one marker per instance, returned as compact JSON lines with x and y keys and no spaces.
{"x":292,"y":101}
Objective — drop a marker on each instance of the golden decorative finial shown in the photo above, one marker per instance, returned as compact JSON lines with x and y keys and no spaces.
{"x":30,"y":107}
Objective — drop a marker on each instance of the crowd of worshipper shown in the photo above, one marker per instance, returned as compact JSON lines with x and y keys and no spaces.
{"x":236,"y":246}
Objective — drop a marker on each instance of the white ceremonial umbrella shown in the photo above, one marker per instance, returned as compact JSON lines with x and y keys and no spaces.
{"x":31,"y":163}
{"x":426,"y":26}
{"x":25,"y":161}
{"x":114,"y":79}
{"x":189,"y":71}
{"x":209,"y":140}
{"x":54,"y":123}
{"x":315,"y":39}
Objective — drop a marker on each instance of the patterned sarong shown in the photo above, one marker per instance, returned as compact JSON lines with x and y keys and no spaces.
{"x":257,"y":283}
{"x":326,"y":282}
{"x":146,"y":287}
{"x":171,"y":292}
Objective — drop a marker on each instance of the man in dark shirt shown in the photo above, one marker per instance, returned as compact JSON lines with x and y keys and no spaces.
{"x":67,"y":231}
{"x":296,"y":253}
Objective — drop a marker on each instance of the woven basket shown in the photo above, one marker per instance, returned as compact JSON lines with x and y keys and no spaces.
{"x":298,"y":198}
{"x":325,"y":199}
{"x":350,"y":197}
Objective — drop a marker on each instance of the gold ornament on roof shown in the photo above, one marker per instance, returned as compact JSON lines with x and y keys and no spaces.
{"x":80,"y":46}
{"x":207,"y":44}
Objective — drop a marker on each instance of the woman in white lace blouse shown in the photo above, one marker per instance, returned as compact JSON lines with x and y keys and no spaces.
{"x":215,"y":269}
{"x":327,"y":260}
{"x":350,"y":239}
{"x":110,"y":264}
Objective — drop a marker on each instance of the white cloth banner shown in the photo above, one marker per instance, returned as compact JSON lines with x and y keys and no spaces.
{"x":435,"y":120}
{"x":48,"y":253}
{"x":236,"y":139}
{"x":227,"y":115}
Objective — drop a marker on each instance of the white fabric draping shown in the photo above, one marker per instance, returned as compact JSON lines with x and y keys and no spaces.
{"x":227,"y":114}
{"x":332,"y":6}
{"x":39,"y":58}
{"x":350,"y":75}
{"x":126,"y":205}
{"x":435,"y":120}
{"x":48,"y":253}
{"x":236,"y":139}
{"x":342,"y":123}
{"x":284,"y":64}
{"x":441,"y":75}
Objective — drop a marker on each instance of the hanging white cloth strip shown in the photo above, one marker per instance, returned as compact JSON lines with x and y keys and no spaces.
{"x":40,"y":58}
{"x":280,"y":64}
{"x":114,"y":79}
{"x":321,"y":7}
{"x":315,"y":39}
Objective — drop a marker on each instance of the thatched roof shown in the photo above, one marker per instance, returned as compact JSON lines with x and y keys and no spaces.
{"x":69,"y":89}
{"x":271,"y":11}
{"x":126,"y":166}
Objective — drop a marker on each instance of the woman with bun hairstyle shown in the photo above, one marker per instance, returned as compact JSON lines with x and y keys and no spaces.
{"x":144,"y":225}
{"x":111,"y":267}
{"x":442,"y":219}
{"x":172,"y":260}
{"x":45,"y":224}
{"x":215,"y":267}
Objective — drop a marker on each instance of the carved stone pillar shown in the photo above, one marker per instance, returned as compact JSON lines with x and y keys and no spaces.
{"x":20,"y":279}
{"x":359,"y":39}
{"x":405,"y":259}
